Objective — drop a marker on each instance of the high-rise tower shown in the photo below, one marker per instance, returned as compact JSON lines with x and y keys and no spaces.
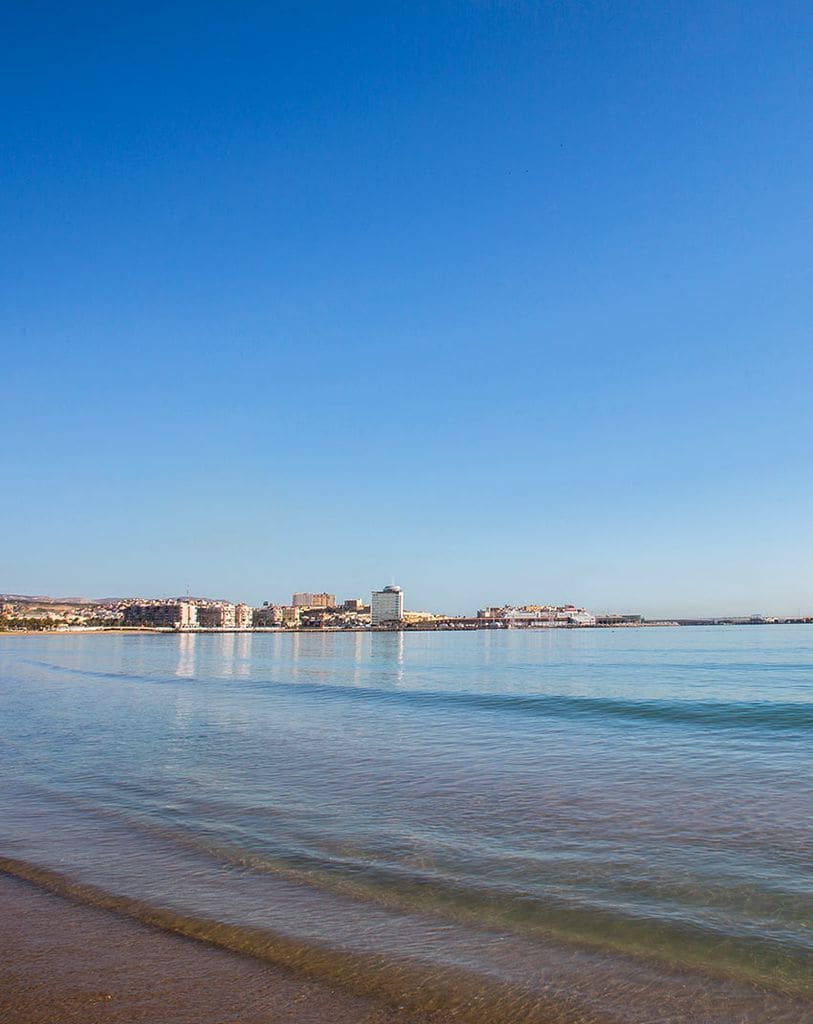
{"x":386,"y":606}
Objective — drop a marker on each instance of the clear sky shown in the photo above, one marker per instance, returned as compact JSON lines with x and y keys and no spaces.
{"x":503,"y":302}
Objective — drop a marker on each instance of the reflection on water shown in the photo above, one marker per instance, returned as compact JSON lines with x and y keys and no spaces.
{"x":581,"y":816}
{"x":186,"y":655}
{"x":387,"y":656}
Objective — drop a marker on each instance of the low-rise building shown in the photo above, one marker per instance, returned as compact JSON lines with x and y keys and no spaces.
{"x":217,"y":615}
{"x":315,"y":618}
{"x":290,"y":617}
{"x":539,"y":615}
{"x":412,"y":618}
{"x":161,"y":614}
{"x":618,"y":619}
{"x":268,"y":615}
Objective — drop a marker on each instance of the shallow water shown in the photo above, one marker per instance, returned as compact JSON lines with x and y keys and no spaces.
{"x":573,"y":825}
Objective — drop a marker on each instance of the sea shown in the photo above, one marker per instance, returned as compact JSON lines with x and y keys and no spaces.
{"x":560,"y":825}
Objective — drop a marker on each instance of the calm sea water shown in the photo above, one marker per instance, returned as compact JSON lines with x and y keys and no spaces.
{"x":597,"y":825}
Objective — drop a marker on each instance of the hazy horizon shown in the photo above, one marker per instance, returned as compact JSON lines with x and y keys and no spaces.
{"x":506,"y":303}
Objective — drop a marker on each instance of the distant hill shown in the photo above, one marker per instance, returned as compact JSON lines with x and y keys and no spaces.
{"x":44,"y":599}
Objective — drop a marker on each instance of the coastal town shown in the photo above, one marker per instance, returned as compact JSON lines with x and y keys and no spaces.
{"x":384,"y":610}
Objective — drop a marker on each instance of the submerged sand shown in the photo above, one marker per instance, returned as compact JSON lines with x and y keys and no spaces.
{"x":66,"y":963}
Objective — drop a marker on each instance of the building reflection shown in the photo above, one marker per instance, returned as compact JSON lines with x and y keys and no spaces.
{"x":387,"y":658}
{"x":185,"y":666}
{"x":224,"y":651}
{"x":358,"y":656}
{"x":242,"y":665}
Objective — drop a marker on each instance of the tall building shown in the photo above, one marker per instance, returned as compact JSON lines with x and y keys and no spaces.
{"x":386,"y":606}
{"x":243,"y":616}
{"x":188,"y":615}
{"x":308,"y":600}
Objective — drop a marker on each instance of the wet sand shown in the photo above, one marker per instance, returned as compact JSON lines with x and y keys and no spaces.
{"x":65,"y":963}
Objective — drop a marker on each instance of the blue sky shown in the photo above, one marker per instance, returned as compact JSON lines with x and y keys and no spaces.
{"x":505,"y":302}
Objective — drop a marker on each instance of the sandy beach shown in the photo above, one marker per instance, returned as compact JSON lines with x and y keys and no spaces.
{"x":61,"y":962}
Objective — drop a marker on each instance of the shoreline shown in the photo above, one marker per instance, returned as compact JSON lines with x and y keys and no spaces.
{"x":67,"y":961}
{"x":64,"y":961}
{"x":277,"y":630}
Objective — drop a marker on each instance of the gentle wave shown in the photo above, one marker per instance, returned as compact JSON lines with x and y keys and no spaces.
{"x":462,"y":995}
{"x":729,"y":714}
{"x":773,"y":715}
{"x":715,"y":714}
{"x":585,"y":922}
{"x":554,"y":987}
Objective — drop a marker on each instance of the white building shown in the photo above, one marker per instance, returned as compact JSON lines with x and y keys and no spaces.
{"x":386,"y":605}
{"x":536,"y":615}
{"x":188,"y":615}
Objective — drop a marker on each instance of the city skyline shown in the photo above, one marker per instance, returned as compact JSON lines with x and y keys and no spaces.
{"x":498,"y":302}
{"x":325,"y":601}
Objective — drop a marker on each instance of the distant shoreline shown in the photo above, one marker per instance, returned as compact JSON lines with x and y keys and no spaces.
{"x":417,"y":628}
